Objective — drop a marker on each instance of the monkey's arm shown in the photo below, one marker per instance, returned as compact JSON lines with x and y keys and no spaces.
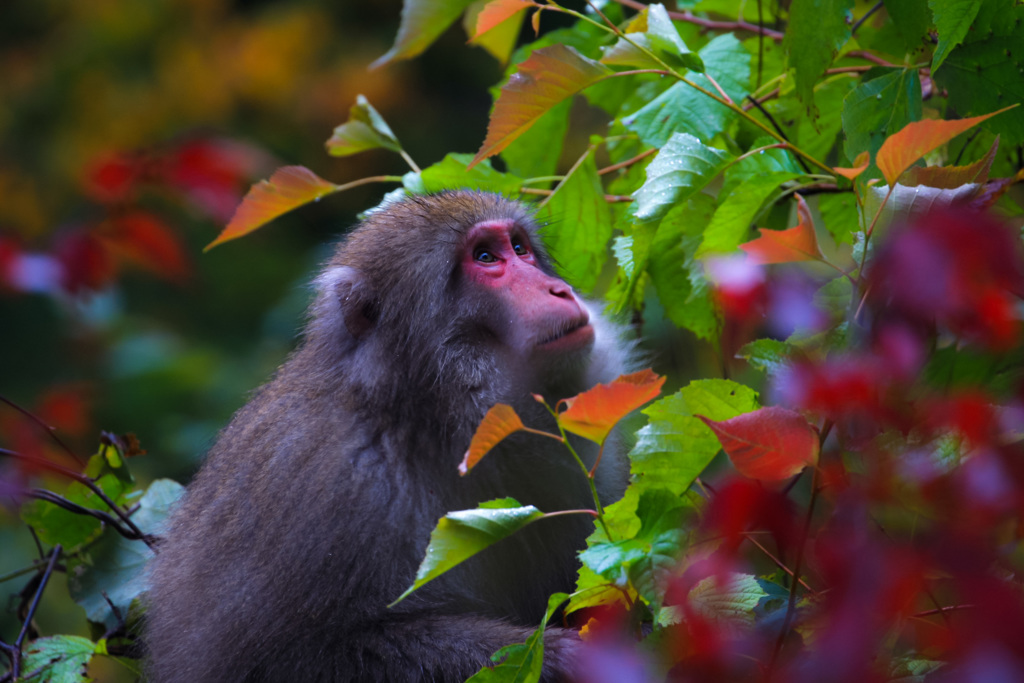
{"x":452,"y":648}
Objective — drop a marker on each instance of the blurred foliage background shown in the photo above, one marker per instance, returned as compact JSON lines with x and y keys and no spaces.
{"x":129,"y":131}
{"x":128,"y":134}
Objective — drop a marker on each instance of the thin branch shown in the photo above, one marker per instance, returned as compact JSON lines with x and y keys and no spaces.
{"x":581,"y":511}
{"x":70,"y":506}
{"x":689,"y":17}
{"x":717,"y":87}
{"x":610,"y":198}
{"x":970,"y":139}
{"x":408,"y":160}
{"x":20,"y":641}
{"x":777,"y":561}
{"x":864,"y":54}
{"x":797,"y":567}
{"x":754,"y":102}
{"x":628,"y":162}
{"x":568,"y":174}
{"x":778,"y":129}
{"x":857,"y":25}
{"x":942,"y":611}
{"x":597,"y":10}
{"x":50,"y":430}
{"x":89,"y":484}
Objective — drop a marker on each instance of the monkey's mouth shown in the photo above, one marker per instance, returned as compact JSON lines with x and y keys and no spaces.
{"x":577,"y":333}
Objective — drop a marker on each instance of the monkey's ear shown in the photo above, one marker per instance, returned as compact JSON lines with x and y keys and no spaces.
{"x":345,"y":287}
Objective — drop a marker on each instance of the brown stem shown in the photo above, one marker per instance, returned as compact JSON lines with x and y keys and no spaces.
{"x":628,"y":162}
{"x":689,"y":17}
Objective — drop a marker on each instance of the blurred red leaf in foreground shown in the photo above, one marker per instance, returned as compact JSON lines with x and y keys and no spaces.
{"x":769,"y":444}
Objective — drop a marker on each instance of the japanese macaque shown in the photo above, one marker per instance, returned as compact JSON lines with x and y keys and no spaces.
{"x":315,"y":506}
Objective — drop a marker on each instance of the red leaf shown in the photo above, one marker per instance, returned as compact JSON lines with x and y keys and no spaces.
{"x":146,"y":241}
{"x":786,"y":246}
{"x":9,"y":255}
{"x":548,"y":76}
{"x":65,"y":409}
{"x":211,"y":172}
{"x":500,"y":421}
{"x":85,"y":262}
{"x":593,"y":413}
{"x":769,"y":444}
{"x":290,"y":187}
{"x":111,"y":178}
{"x":916,"y":139}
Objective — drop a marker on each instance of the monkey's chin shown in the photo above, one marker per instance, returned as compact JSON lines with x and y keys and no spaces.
{"x":576,"y":339}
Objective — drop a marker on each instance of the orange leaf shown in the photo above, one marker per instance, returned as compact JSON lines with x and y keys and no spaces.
{"x":289,"y":188}
{"x":951,"y":177}
{"x":859,"y":164}
{"x":497,"y":12}
{"x":500,"y":421}
{"x":769,"y":444}
{"x":593,"y":413}
{"x":548,"y":76}
{"x":916,"y":139}
{"x":786,"y":246}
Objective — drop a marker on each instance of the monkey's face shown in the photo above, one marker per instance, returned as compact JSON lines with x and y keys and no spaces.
{"x":535,"y":315}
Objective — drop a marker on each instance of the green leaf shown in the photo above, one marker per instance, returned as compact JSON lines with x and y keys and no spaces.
{"x":682,"y":108}
{"x":731,"y":222}
{"x":840,"y":215}
{"x":674,"y":447}
{"x":453,"y":172}
{"x":652,"y":553}
{"x":549,"y":76}
{"x":879,"y":107}
{"x":677,"y":277}
{"x":817,"y":135}
{"x":535,"y":153}
{"x":953,"y":19}
{"x":521,"y":663}
{"x":56,"y":525}
{"x":986,"y":73}
{"x":912,"y":19}
{"x":653,"y":30}
{"x":727,"y":599}
{"x":683,"y":166}
{"x":719,"y":399}
{"x":462,"y":534}
{"x":423,"y":21}
{"x":365,"y":129}
{"x":58,"y":659}
{"x":115,"y":565}
{"x":913,"y":669}
{"x":577,"y":225}
{"x":817,"y":30}
{"x":769,"y":355}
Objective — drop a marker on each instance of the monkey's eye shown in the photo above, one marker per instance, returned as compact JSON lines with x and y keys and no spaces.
{"x":520,"y":249}
{"x":484,"y":256}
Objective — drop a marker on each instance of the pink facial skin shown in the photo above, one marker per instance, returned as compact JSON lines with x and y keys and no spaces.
{"x":498,"y":256}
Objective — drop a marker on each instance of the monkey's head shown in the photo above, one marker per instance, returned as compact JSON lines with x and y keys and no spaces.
{"x":456,"y":291}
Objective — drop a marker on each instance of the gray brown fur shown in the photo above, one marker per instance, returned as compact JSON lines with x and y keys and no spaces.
{"x":314,"y":507}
